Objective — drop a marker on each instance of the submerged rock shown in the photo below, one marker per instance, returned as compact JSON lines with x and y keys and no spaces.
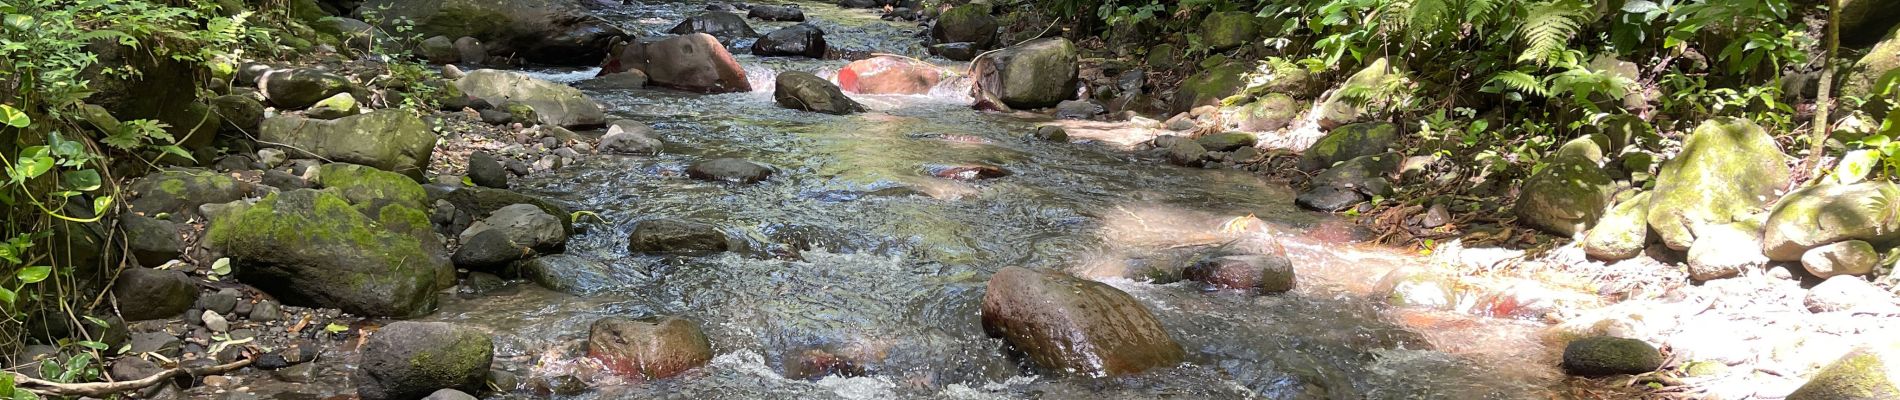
{"x":1075,"y":326}
{"x":1727,"y":169}
{"x":675,"y":236}
{"x":648,"y":348}
{"x":729,"y":170}
{"x":890,"y":75}
{"x":409,"y":360}
{"x":804,"y":40}
{"x":553,"y":103}
{"x":726,"y":26}
{"x":695,"y":62}
{"x":1570,"y":193}
{"x":1036,"y":74}
{"x":390,"y":140}
{"x":804,"y":91}
{"x":1605,"y":355}
{"x":576,"y":275}
{"x":1263,"y":273}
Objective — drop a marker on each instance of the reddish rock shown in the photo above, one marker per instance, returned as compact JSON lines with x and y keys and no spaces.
{"x":695,"y":62}
{"x":889,"y":75}
{"x":815,"y":363}
{"x":648,"y":348}
{"x":1076,"y":326}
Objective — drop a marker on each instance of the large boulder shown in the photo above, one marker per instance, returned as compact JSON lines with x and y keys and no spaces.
{"x":804,"y":91}
{"x":409,"y":360}
{"x":1209,"y":86}
{"x":1570,"y":193}
{"x":1349,"y":183}
{"x":648,"y":348}
{"x":890,"y":75}
{"x":1036,"y":74}
{"x":1622,"y":233}
{"x":554,"y":103}
{"x":176,"y":191}
{"x":1868,"y":372}
{"x":695,"y":62}
{"x":728,"y":27}
{"x":1883,"y":58}
{"x":970,"y":23}
{"x":391,"y":140}
{"x":805,"y":40}
{"x":1816,"y":216}
{"x":1229,"y":29}
{"x":1338,"y":109}
{"x":153,"y":242}
{"x":1863,"y":22}
{"x":1727,"y":169}
{"x":145,"y":293}
{"x":1348,"y":142}
{"x":1070,"y":325}
{"x":315,"y":248}
{"x":557,"y":32}
{"x":295,"y":89}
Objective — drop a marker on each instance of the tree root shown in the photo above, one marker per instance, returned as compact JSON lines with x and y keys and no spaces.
{"x":104,"y":389}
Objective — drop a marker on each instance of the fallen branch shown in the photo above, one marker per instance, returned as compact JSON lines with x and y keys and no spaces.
{"x":104,"y":389}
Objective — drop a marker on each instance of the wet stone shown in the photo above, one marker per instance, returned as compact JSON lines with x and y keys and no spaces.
{"x":1603,"y":355}
{"x":729,"y":170}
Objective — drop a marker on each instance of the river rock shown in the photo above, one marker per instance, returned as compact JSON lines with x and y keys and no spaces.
{"x":409,"y":360}
{"x":695,"y":62}
{"x":523,"y":224}
{"x":890,"y":75}
{"x":439,"y":50}
{"x":627,"y":80}
{"x":805,"y":40}
{"x":1349,"y":183}
{"x":959,"y":51}
{"x":178,"y":191}
{"x":1229,"y":141}
{"x":1079,"y":109}
{"x":1229,"y":29}
{"x":449,"y":394}
{"x":152,"y":241}
{"x":1268,"y":113}
{"x":554,"y":32}
{"x":729,"y":170}
{"x":1851,"y":257}
{"x":788,"y":12}
{"x":576,"y":275}
{"x":390,"y":140}
{"x":863,"y":3}
{"x":1187,"y":153}
{"x":241,"y":114}
{"x":1570,"y":193}
{"x":656,"y":347}
{"x":471,"y":51}
{"x":296,"y":89}
{"x":675,"y":236}
{"x":554,"y":103}
{"x":1069,"y":325}
{"x":1036,"y":74}
{"x":1348,"y":142}
{"x":476,"y":201}
{"x":315,"y":248}
{"x":728,"y":27}
{"x":804,"y":91}
{"x":1606,"y":355}
{"x":1722,"y":251}
{"x":338,"y":106}
{"x":1867,"y":372}
{"x":489,"y":250}
{"x":1210,"y":85}
{"x":1263,"y":273}
{"x":146,"y":293}
{"x":1727,"y":169}
{"x":1622,"y":233}
{"x":970,"y":23}
{"x":486,"y":171}
{"x":1052,"y":133}
{"x":629,"y":137}
{"x":1818,"y":215}
{"x":1848,"y":293}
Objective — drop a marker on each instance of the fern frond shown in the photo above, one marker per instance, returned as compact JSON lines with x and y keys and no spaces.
{"x":1522,"y":82}
{"x":1425,"y":17}
{"x":1479,"y":13}
{"x":1547,"y":29}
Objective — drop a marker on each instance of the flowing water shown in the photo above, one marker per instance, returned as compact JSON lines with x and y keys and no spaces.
{"x":854,"y":249}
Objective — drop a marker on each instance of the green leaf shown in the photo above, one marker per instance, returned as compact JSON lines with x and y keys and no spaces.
{"x":34,"y":274}
{"x":11,"y":116}
{"x":1855,"y":166}
{"x":335,"y":328}
{"x":222,"y":266}
{"x":100,"y":204}
{"x":81,"y":180}
{"x":32,"y":163}
{"x":6,"y":296}
{"x":177,"y":151}
{"x":94,"y":345}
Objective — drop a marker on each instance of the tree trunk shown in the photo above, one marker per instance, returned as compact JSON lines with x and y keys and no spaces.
{"x":1821,"y":125}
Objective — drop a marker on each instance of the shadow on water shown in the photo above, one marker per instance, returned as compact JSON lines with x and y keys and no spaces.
{"x":888,"y":262}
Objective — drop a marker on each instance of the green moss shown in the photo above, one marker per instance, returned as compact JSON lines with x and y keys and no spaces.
{"x":1858,"y":375}
{"x":370,"y":186}
{"x":1227,"y":30}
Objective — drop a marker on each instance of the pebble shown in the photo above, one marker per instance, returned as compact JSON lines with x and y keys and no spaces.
{"x":216,"y":322}
{"x":300,"y":373}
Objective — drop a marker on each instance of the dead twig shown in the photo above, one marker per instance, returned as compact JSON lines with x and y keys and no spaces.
{"x":104,"y":389}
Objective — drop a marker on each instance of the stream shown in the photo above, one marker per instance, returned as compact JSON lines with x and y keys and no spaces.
{"x":855,"y":250}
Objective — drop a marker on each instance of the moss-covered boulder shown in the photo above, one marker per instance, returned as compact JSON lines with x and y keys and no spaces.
{"x":1036,"y":74}
{"x":1348,"y":142}
{"x":1604,"y":355}
{"x":438,"y":50}
{"x":1209,"y":86}
{"x":1880,"y":60}
{"x":390,"y":140}
{"x":556,"y":32}
{"x":1864,"y":373}
{"x":656,"y":347}
{"x":1268,"y":113}
{"x":1727,"y":169}
{"x":968,"y":23}
{"x":241,"y":114}
{"x":409,"y":360}
{"x":1570,"y":193}
{"x":1339,"y":110}
{"x":1229,"y":29}
{"x":338,"y":106}
{"x":313,"y":248}
{"x":177,"y":191}
{"x":553,"y":103}
{"x":1622,"y":233}
{"x":1851,"y":257}
{"x":1075,"y":326}
{"x":1819,"y":215}
{"x":296,"y":89}
{"x":1228,"y":141}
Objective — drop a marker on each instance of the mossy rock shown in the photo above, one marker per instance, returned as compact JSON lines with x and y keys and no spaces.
{"x":481,"y":201}
{"x":1622,"y":233}
{"x":1210,"y":85}
{"x":1337,"y":110}
{"x":1882,"y":59}
{"x":313,"y":248}
{"x":1570,"y":193}
{"x":1268,"y":113}
{"x":409,"y":360}
{"x":966,"y":23}
{"x":1226,"y":141}
{"x":367,"y":185}
{"x":390,"y":140}
{"x":550,"y":103}
{"x":1604,"y":355}
{"x":1864,"y":21}
{"x":1864,"y":373}
{"x":555,"y":32}
{"x":1728,"y":168}
{"x":1036,"y":74}
{"x":1162,"y":56}
{"x":1819,"y":215}
{"x":183,"y":190}
{"x":1348,"y":142}
{"x":1229,"y":29}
